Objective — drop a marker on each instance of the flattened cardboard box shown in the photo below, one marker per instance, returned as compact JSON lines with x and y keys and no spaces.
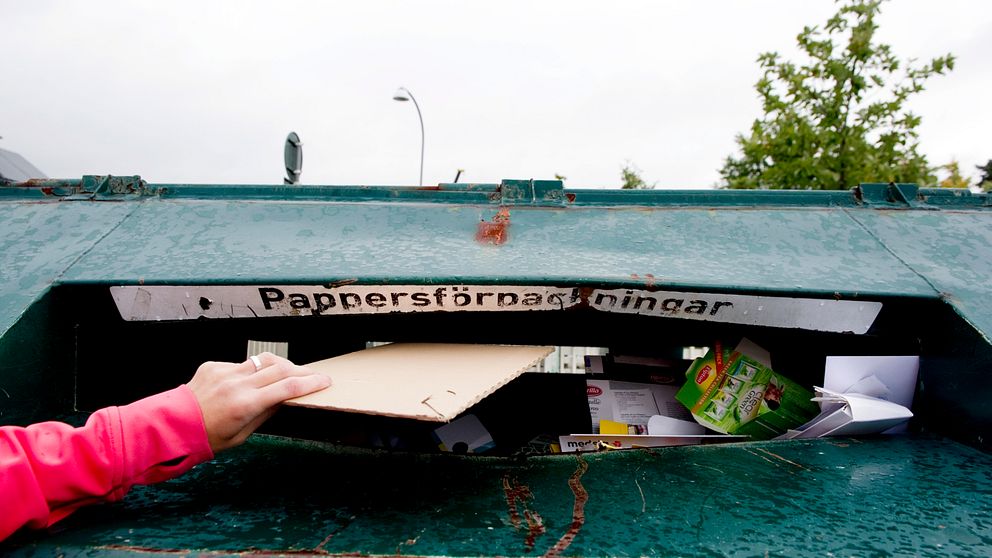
{"x":423,"y":381}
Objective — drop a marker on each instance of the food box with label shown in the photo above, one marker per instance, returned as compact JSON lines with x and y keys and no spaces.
{"x":734,"y":392}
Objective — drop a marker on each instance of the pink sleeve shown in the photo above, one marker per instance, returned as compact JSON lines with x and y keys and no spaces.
{"x":47,"y":470}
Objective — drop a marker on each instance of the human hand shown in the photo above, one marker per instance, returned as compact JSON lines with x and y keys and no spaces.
{"x":235,"y":399}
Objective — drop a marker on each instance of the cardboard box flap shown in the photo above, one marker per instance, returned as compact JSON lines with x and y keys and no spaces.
{"x":423,"y":381}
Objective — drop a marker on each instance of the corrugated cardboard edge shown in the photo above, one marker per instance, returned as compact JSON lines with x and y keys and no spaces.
{"x":435,"y":415}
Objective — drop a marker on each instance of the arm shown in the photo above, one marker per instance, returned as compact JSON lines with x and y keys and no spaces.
{"x":48,"y":470}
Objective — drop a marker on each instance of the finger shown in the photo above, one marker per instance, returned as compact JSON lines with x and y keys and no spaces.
{"x":277,"y":372}
{"x":290,"y":387}
{"x":264,"y":360}
{"x":247,"y":367}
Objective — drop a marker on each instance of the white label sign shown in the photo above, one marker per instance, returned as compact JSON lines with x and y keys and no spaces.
{"x":802,"y":313}
{"x":168,"y":302}
{"x":160,"y":302}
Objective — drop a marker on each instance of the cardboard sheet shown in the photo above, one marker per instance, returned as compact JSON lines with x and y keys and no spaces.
{"x":423,"y":381}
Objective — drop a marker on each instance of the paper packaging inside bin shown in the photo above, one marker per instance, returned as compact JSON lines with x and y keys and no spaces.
{"x":892,"y":378}
{"x":850,"y":414}
{"x":660,"y":425}
{"x":632,"y":403}
{"x":595,"y":442}
{"x":743,"y":395}
{"x":423,"y":381}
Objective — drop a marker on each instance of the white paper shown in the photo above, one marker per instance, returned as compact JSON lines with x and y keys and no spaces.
{"x":850,"y":414}
{"x":890,"y":378}
{"x":632,"y":402}
{"x":842,"y":374}
{"x":633,"y":406}
{"x":664,"y":426}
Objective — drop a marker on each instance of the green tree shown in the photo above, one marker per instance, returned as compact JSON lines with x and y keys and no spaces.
{"x":954,"y":178}
{"x":631,"y":177}
{"x":985,"y":179}
{"x":839,"y":118}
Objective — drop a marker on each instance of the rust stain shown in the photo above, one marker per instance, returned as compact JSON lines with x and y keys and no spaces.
{"x":578,"y":510}
{"x":535,"y":528}
{"x":327,"y":539}
{"x":648,"y":279}
{"x":514,"y":492}
{"x":519,"y":494}
{"x":495,"y":231}
{"x":32,"y":182}
{"x":247,"y":552}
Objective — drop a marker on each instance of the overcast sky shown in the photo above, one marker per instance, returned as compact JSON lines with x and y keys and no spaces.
{"x":205,"y":92}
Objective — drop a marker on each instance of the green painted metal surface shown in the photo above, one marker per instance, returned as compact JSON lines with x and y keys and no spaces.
{"x":40,"y":241}
{"x":206,"y":242}
{"x":949,"y":249}
{"x":840,"y":497}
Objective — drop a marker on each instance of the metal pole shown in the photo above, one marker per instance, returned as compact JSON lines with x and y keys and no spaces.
{"x":400,"y":96}
{"x":419,"y":116}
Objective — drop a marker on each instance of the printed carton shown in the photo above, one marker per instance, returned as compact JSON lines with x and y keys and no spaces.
{"x":734,"y":392}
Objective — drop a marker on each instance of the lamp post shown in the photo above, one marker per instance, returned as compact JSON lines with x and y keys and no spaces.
{"x":403,"y":94}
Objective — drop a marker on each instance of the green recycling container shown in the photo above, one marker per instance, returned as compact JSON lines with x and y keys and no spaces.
{"x":114,"y":288}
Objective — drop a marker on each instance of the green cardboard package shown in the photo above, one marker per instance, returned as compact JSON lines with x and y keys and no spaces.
{"x":737,"y":394}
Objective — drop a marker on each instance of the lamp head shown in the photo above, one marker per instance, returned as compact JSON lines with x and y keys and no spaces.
{"x":401,"y":95}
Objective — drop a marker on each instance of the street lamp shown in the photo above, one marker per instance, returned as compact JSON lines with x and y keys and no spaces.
{"x":403,"y":94}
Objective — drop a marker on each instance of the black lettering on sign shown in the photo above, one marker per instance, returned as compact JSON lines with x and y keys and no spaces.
{"x":270,"y":295}
{"x":696,"y":307}
{"x":350,"y":300}
{"x":439,"y":295}
{"x":420,"y":299}
{"x":378,"y":300}
{"x":297,"y":300}
{"x":323,"y":301}
{"x":532,"y":299}
{"x":650,"y":300}
{"x":672,"y":304}
{"x":717,"y":305}
{"x":507,"y":299}
{"x":600,"y":297}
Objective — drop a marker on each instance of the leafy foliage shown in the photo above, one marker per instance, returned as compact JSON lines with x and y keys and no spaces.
{"x":985,"y":179}
{"x":631,"y":177}
{"x":839,"y":119}
{"x":954,"y":178}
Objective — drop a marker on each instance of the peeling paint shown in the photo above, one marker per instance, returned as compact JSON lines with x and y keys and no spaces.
{"x":496,"y":231}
